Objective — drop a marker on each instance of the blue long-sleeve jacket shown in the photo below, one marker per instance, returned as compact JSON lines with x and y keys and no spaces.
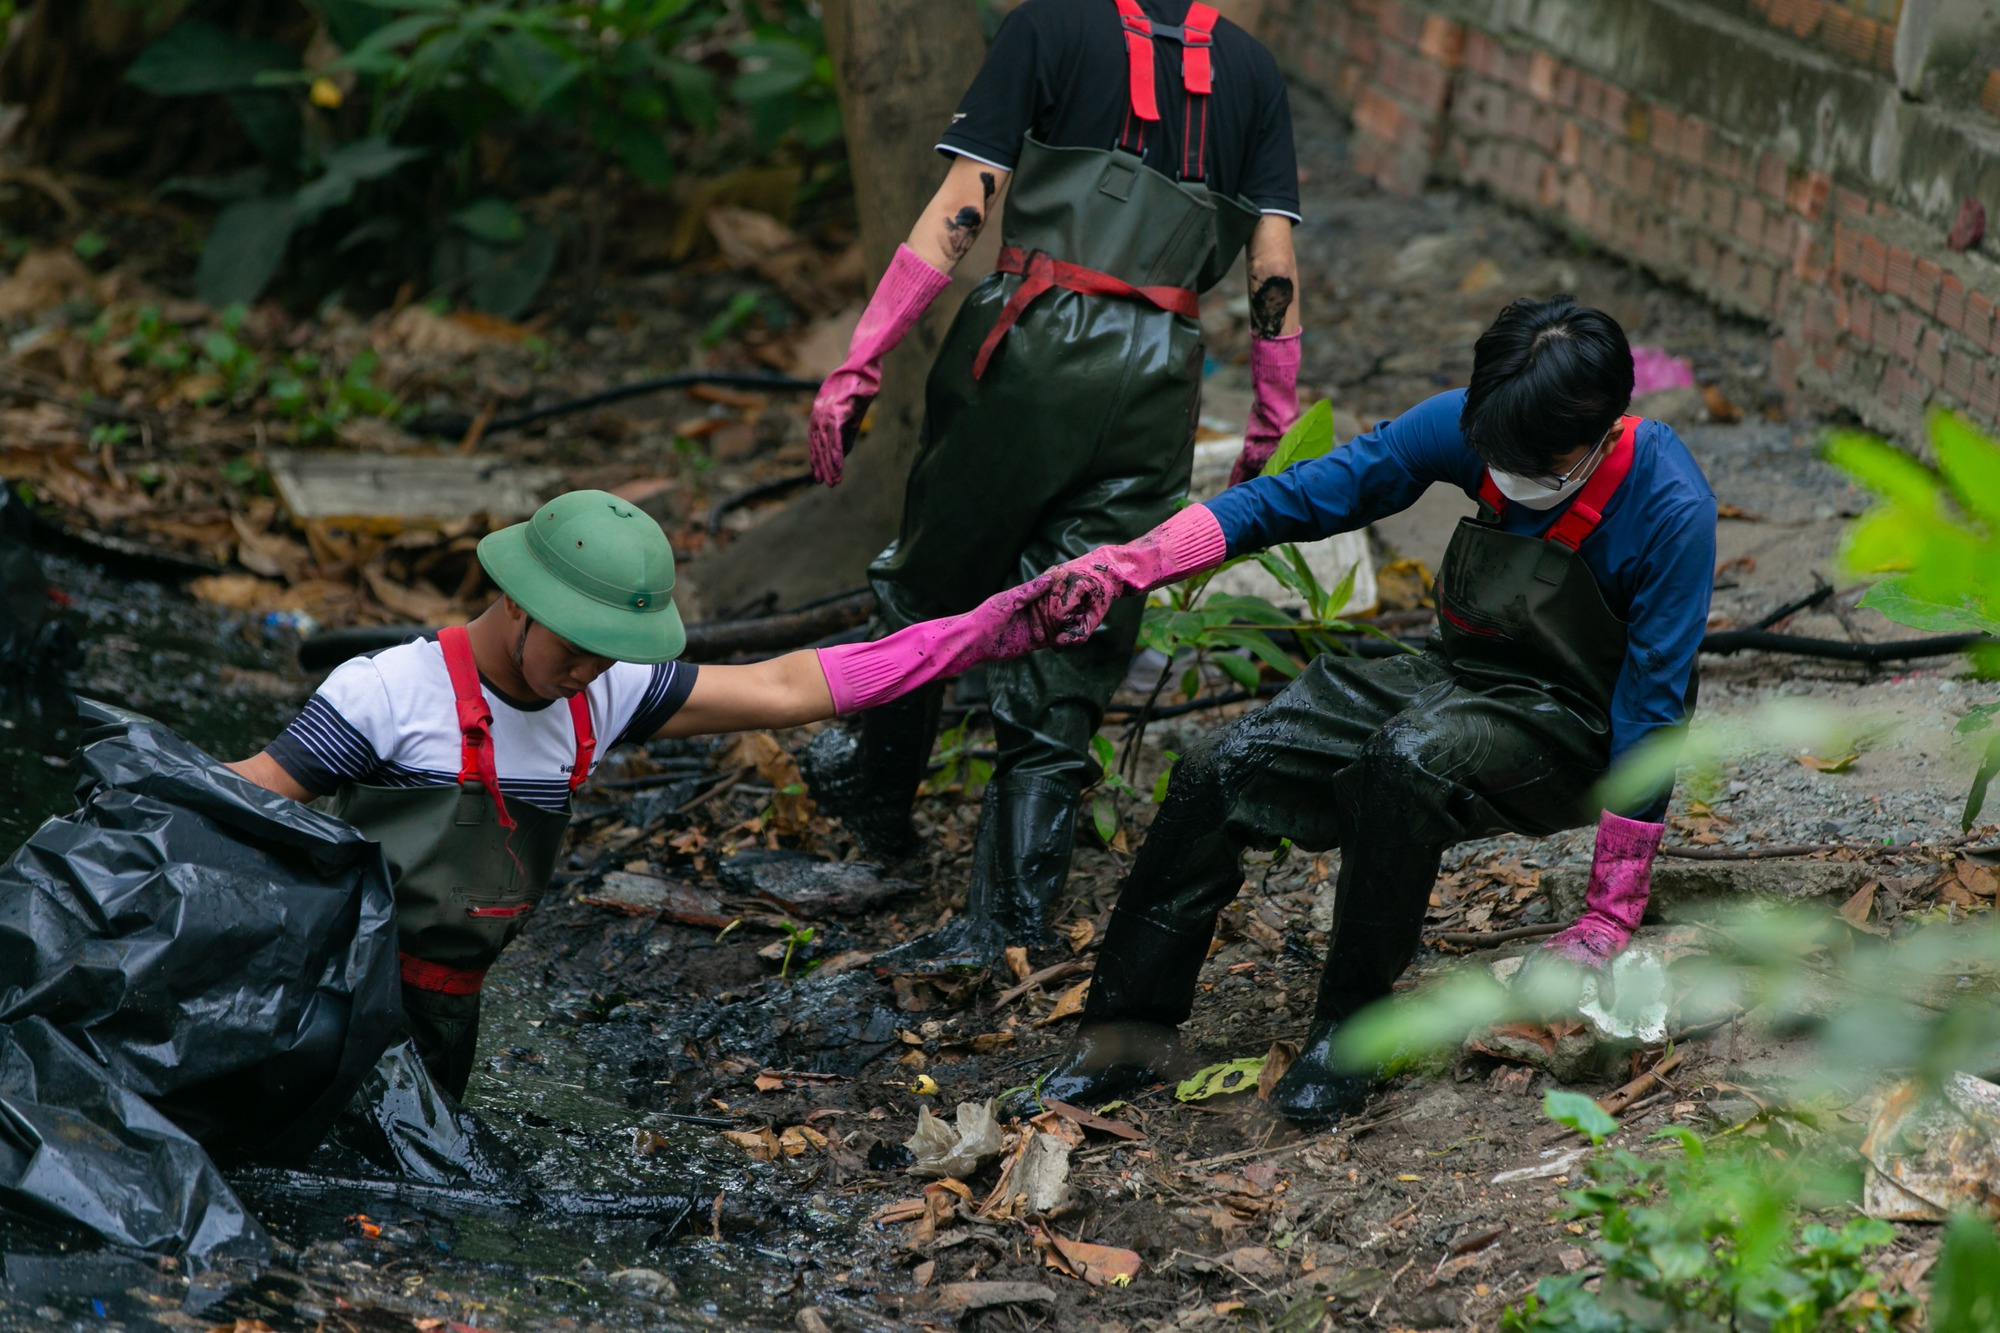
{"x":1653,"y":555}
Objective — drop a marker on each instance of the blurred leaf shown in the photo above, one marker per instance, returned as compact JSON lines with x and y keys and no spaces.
{"x":347,"y":168}
{"x":1580,"y":1113}
{"x":192,"y":58}
{"x":244,"y":250}
{"x":1970,"y":462}
{"x":1893,"y":598}
{"x":1965,"y":1286}
{"x":494,"y":221}
{"x":1239,"y":669}
{"x":1982,"y":780}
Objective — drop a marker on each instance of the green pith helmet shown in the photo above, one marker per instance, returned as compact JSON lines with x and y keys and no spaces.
{"x":596,"y":571}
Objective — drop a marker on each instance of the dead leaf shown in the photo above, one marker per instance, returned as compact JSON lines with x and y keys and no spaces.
{"x":1737,"y":512}
{"x":1276,"y":1061}
{"x":797,"y":1140}
{"x":769,"y":1082}
{"x":1840,"y":764}
{"x":1856,"y":909}
{"x":1017,"y":962}
{"x":923,"y":1273}
{"x":1255,"y":1262}
{"x":1081,"y":935}
{"x":791,"y":808}
{"x":1719,"y":406}
{"x":42,"y":279}
{"x":1098,"y":1265}
{"x":1978,"y":880}
{"x":1035,"y":1179}
{"x":957,"y":1149}
{"x":1068,"y":1004}
{"x":1481,"y":276}
{"x":760,"y":1144}
{"x":1090,"y":1120}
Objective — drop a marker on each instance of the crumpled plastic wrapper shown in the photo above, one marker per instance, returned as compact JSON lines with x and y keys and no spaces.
{"x":1927,"y":1156}
{"x":944,"y":1150}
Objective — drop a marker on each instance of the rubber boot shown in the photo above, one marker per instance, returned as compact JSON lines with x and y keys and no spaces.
{"x":445,"y":1031}
{"x":1319,"y":1091}
{"x":1139,"y":996}
{"x":1020,"y":861}
{"x":864,"y":771}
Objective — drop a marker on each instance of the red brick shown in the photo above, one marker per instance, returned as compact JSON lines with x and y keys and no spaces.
{"x":1760,"y":285}
{"x":1874,"y":269}
{"x":1641,"y":168}
{"x":1887,"y":332}
{"x":1979,"y":319}
{"x":1666,"y":132}
{"x":1857,"y":314}
{"x":1542,"y":77}
{"x":1616,"y":110}
{"x":1548,"y":129}
{"x":1566,"y":87}
{"x":1909,"y":334}
{"x":1694,"y":141}
{"x":1442,"y":40}
{"x":1924,"y":284}
{"x":1810,"y":263}
{"x":1749,"y":220}
{"x":1397,"y":22}
{"x":1951,"y":302}
{"x":1986,"y":391}
{"x":1896,"y":386}
{"x":1771,"y":175}
{"x":1481,"y":52}
{"x":1808,"y":194}
{"x":1569,"y":151}
{"x":1850,"y":203}
{"x":1959,"y":362}
{"x":1930,"y":360}
{"x":1901,"y":272}
{"x":1846,"y":251}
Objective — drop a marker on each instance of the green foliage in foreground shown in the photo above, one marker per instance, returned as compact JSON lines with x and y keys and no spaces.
{"x":1695,"y":1239}
{"x":396,"y":159}
{"x":1937,"y":532}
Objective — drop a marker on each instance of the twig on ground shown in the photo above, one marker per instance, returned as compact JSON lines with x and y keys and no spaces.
{"x":1057,"y":972}
{"x":1487,"y":939}
{"x":1616,"y":1102}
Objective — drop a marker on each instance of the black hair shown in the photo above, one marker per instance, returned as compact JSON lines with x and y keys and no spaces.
{"x":1549,"y":377}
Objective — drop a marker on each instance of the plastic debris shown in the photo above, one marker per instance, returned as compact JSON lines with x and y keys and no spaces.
{"x":956,"y":1151}
{"x":1655,"y":369}
{"x":1927,"y":1156}
{"x":1223,"y":1080}
{"x":224,"y":957}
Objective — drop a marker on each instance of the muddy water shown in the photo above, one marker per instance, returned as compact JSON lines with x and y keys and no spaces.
{"x":555,"y":1081}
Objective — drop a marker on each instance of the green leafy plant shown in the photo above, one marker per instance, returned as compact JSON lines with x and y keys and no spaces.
{"x":390,"y":161}
{"x":796,"y":937}
{"x":1937,"y":531}
{"x":960,"y":765}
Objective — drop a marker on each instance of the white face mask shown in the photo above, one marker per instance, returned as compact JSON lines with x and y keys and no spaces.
{"x":1533,"y":494}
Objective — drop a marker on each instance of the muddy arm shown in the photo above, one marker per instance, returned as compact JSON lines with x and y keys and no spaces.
{"x":1274,"y":279}
{"x":959,"y":211}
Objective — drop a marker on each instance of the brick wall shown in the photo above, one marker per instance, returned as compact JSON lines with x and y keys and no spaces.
{"x":1725,"y":145}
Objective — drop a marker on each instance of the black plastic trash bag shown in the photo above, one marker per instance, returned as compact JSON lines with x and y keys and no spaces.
{"x":226,"y":953}
{"x":76,"y":1147}
{"x":405,"y":1124}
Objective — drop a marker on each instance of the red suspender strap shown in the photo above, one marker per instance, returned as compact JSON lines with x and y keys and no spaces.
{"x":1198,"y":34}
{"x":1587,"y":509}
{"x":1139,"y":53}
{"x":1040,"y":272}
{"x":586,"y":739}
{"x":1489,"y":492}
{"x":441,"y":978}
{"x":475,"y":719}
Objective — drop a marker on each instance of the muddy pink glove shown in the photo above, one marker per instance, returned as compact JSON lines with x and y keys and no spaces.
{"x":1082,"y":591}
{"x":900,"y":299}
{"x":1621,"y":875}
{"x":1007,"y":624}
{"x":1274,"y":378}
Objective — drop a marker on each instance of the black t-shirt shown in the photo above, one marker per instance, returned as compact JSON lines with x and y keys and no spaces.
{"x":1058,"y":70}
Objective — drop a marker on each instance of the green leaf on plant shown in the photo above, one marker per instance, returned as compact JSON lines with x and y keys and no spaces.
{"x":1310,"y":437}
{"x":1104,"y":815}
{"x":244,"y":250}
{"x":192,"y":58}
{"x":1965,"y":1289}
{"x":1223,"y":1080}
{"x":494,"y":221}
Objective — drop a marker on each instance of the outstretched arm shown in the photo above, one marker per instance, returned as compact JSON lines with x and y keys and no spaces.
{"x":783,"y":692}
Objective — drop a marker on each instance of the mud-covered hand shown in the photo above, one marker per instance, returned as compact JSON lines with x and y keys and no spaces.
{"x":1621,"y":878}
{"x":905,"y":292}
{"x":1274,"y":381}
{"x":1082,"y":590}
{"x":1007,"y":624}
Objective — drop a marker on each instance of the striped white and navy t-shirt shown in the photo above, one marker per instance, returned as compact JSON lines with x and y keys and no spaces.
{"x":390,"y":720}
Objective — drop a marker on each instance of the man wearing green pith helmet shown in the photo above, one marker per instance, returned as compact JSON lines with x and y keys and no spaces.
{"x":459,"y":752}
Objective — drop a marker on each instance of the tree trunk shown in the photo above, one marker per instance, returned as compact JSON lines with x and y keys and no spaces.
{"x":900,"y":67}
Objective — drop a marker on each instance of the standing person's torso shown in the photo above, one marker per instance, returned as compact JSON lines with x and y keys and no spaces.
{"x":1059,"y":72}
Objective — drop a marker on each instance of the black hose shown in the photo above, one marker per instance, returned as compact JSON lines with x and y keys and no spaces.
{"x":457,"y":426}
{"x":762,"y":491}
{"x":1727,"y":641}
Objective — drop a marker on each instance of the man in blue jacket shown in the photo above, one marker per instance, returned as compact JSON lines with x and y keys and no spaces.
{"x":1570,"y":610}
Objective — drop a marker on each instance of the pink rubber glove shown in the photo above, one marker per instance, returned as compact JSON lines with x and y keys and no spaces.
{"x":1007,"y":624}
{"x":900,"y":299}
{"x":1274,"y":378}
{"x":1083,"y":589}
{"x":1621,"y":876}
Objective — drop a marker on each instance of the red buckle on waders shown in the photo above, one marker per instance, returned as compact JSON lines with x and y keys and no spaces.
{"x":441,"y":978}
{"x":1041,"y":272}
